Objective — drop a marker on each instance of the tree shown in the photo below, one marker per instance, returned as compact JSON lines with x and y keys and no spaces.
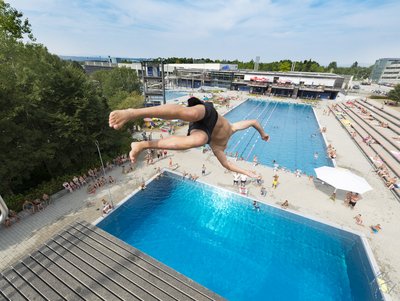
{"x":354,"y":65}
{"x":11,"y":23}
{"x":117,"y":84}
{"x":285,"y":66}
{"x":51,"y":115}
{"x":395,"y":94}
{"x":332,"y":66}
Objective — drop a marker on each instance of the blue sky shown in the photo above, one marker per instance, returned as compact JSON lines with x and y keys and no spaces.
{"x":325,"y":31}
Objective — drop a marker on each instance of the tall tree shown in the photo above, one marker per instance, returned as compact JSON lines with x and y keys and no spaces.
{"x":11,"y":23}
{"x":51,"y":115}
{"x":117,"y":84}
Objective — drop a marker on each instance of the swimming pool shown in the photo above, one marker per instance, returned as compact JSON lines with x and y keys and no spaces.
{"x":294,"y":135}
{"x":217,"y":239}
{"x":171,"y":95}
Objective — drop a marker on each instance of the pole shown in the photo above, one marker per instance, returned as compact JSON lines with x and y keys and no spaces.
{"x":163,"y":81}
{"x":104,"y":171}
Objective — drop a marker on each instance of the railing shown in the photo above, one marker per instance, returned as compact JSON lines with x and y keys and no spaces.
{"x":3,"y":210}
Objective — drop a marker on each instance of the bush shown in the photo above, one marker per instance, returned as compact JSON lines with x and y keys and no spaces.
{"x":378,"y":97}
{"x":15,"y":202}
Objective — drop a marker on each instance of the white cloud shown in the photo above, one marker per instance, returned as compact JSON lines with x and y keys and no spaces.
{"x":339,"y":30}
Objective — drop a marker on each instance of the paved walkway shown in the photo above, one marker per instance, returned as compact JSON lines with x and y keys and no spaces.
{"x":306,"y":197}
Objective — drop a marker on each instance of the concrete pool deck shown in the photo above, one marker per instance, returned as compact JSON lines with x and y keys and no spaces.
{"x":304,"y":196}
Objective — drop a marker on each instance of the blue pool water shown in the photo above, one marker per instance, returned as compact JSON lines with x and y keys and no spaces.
{"x":171,"y":95}
{"x":216,"y":238}
{"x":294,"y":135}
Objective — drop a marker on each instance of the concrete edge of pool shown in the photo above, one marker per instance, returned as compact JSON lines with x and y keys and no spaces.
{"x":371,"y":259}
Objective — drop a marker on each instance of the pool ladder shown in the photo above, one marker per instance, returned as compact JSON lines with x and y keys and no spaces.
{"x":382,"y":283}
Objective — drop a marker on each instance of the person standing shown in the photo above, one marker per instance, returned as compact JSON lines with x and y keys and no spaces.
{"x":236,"y":177}
{"x":203,"y":170}
{"x":275,"y":181}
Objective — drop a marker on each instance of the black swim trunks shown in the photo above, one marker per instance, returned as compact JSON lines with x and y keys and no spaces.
{"x":209,"y":121}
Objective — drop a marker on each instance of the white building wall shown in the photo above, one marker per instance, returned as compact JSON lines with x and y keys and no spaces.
{"x":391,"y":74}
{"x":205,"y":66}
{"x":329,"y":82}
{"x":135,"y":66}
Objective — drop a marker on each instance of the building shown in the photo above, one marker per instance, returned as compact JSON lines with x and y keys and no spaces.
{"x":290,"y":84}
{"x":386,"y":71}
{"x":312,"y":85}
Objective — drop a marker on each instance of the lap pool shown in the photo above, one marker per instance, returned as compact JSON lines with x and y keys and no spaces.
{"x":216,"y":238}
{"x":294,"y":132}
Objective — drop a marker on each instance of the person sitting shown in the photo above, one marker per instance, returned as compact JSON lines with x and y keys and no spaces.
{"x":358,"y":219}
{"x":285,"y":204}
{"x":91,"y":189}
{"x":206,"y":127}
{"x":37,"y":205}
{"x":391,"y":182}
{"x":143,"y":185}
{"x":395,"y":185}
{"x":107,"y":207}
{"x":28,"y":206}
{"x":375,"y":228}
{"x":354,"y":198}
{"x":46,"y":199}
{"x":12,"y":217}
{"x":68,"y":187}
{"x":263,"y":191}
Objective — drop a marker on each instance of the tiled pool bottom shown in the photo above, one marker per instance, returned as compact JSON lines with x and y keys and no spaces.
{"x":216,"y":238}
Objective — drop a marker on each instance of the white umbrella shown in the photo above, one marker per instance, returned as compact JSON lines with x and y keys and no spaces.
{"x":343,"y":179}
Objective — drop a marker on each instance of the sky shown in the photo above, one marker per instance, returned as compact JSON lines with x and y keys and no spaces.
{"x":344,"y":31}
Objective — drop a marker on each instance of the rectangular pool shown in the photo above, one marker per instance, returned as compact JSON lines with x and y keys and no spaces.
{"x":216,"y":238}
{"x":294,"y":133}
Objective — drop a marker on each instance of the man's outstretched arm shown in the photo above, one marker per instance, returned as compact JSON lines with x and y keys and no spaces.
{"x":230,"y":166}
{"x":244,"y":124}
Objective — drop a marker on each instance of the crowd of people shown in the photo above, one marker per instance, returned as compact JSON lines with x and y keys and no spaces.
{"x":94,"y":179}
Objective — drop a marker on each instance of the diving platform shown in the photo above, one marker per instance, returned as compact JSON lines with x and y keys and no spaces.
{"x":84,"y":262}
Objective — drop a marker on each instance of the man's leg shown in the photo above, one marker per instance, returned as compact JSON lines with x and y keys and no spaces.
{"x":196,"y":139}
{"x":244,"y":124}
{"x":169,"y":111}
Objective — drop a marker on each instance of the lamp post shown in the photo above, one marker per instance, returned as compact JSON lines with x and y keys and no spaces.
{"x":104,"y":171}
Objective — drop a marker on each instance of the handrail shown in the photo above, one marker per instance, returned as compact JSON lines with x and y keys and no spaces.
{"x":3,"y":210}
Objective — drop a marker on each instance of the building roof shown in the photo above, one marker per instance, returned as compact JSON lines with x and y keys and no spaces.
{"x":293,"y":73}
{"x":85,"y":263}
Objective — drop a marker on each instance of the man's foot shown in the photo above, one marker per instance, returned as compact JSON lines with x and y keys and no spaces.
{"x":119,"y":117}
{"x":265,"y":137}
{"x":135,"y":151}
